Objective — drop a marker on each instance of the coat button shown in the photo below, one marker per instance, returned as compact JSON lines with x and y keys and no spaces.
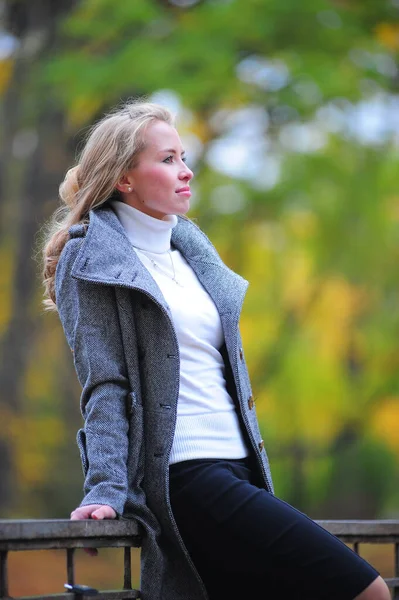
{"x":261,"y":445}
{"x":251,"y":402}
{"x":241,"y":354}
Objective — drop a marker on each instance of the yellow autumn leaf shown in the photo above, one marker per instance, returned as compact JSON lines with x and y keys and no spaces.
{"x":315,"y":420}
{"x":298,"y":281}
{"x":388,"y":35}
{"x":7,"y":265}
{"x":385,"y":422}
{"x":331,"y":317}
{"x":6,"y":68}
{"x":82,"y":109}
{"x":302,"y":224}
{"x":199,"y":127}
{"x":259,"y":254}
{"x":36,"y":440}
{"x":392,"y":206}
{"x":41,"y":373}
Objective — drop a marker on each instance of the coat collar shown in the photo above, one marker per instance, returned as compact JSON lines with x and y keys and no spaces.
{"x":107,"y":257}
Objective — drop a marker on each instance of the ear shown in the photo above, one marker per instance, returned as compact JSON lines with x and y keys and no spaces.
{"x":125,"y":184}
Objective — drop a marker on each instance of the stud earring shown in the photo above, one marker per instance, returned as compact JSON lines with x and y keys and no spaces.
{"x":129,"y":189}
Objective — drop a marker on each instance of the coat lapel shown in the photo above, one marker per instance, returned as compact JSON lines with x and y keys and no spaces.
{"x":107,"y":257}
{"x":226,"y":288}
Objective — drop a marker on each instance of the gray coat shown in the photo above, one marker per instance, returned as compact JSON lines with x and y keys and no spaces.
{"x":119,"y":328}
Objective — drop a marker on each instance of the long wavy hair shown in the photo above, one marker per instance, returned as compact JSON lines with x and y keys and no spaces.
{"x":111,"y":148}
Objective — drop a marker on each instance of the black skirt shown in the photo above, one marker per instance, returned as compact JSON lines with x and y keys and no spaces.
{"x":247,"y":543}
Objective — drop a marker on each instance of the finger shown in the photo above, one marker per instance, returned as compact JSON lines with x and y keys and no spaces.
{"x":75,"y":515}
{"x":104,"y":512}
{"x":82,"y":512}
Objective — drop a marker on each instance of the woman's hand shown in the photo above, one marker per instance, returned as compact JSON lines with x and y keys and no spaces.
{"x":93,"y":511}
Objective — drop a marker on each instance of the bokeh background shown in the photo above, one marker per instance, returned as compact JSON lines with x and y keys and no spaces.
{"x":289,"y":112}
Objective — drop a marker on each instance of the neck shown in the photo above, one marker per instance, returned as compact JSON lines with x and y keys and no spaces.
{"x":145,"y":232}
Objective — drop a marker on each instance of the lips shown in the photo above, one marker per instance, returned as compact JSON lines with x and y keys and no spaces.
{"x":186,"y":188}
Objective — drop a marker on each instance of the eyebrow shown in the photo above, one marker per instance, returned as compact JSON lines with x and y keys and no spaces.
{"x":172,"y":151}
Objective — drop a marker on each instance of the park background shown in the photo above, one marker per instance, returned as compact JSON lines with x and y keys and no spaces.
{"x":289,"y":113}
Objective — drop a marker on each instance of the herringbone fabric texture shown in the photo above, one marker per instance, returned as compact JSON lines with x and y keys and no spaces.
{"x":126,"y":356}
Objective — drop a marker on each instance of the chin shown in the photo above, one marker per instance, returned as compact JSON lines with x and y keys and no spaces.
{"x":184,"y":208}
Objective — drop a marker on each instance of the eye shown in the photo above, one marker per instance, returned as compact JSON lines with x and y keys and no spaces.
{"x":170,"y":159}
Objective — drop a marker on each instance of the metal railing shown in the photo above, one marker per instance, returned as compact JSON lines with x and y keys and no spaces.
{"x":69,"y":535}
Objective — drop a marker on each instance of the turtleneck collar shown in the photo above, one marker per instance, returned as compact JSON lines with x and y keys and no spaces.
{"x":145,"y":232}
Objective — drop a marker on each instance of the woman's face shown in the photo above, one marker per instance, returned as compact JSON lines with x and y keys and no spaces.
{"x":160,"y":181}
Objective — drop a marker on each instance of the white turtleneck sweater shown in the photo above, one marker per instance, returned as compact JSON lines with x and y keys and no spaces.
{"x":207,"y":423}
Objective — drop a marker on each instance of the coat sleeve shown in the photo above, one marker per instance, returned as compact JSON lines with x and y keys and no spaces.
{"x":89,"y":316}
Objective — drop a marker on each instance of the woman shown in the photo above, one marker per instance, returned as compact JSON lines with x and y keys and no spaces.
{"x":170,"y":435}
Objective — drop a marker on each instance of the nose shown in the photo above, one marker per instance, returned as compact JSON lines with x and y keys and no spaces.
{"x":186,"y":174}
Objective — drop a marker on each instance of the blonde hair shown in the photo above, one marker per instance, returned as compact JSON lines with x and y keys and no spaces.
{"x":112,"y":147}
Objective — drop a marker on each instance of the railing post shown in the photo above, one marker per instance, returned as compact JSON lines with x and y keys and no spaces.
{"x":127,"y":571}
{"x":70,"y":566}
{"x":3,"y":574}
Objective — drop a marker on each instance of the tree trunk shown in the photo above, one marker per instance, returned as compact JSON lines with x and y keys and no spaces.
{"x":32,"y":166}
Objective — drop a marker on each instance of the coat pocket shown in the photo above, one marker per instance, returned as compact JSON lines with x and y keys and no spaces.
{"x":81,"y":441}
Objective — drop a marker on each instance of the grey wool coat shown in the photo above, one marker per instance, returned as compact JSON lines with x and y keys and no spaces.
{"x":119,"y":328}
